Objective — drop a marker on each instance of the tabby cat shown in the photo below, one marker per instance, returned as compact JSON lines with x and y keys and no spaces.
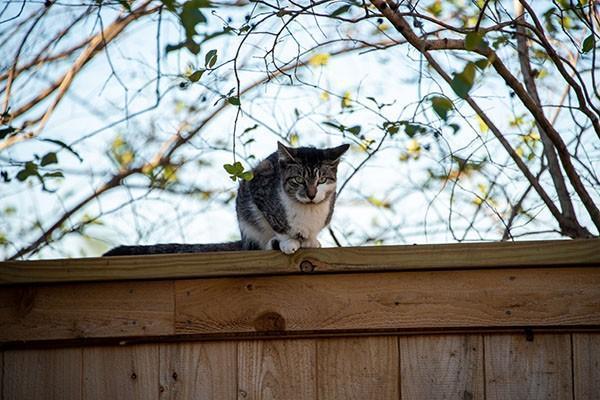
{"x":285,"y":206}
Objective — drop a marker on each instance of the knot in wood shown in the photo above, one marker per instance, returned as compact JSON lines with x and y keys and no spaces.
{"x":307,"y":266}
{"x":269,"y":321}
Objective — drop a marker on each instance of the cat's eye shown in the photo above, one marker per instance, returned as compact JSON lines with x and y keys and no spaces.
{"x":298,"y":179}
{"x":322,"y":180}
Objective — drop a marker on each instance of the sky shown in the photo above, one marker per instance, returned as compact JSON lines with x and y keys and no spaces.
{"x":384,"y":193}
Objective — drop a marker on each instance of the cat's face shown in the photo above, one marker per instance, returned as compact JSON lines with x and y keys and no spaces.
{"x":309,"y":174}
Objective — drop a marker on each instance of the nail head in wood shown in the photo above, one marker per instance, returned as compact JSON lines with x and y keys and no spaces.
{"x":307,"y":266}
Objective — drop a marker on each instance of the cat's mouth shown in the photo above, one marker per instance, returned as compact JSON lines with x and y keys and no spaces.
{"x":305,"y":200}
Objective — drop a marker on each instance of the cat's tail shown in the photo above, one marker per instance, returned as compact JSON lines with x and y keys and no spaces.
{"x":173,"y":248}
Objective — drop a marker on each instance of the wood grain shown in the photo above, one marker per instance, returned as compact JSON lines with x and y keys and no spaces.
{"x":86,"y":311}
{"x":203,"y":370}
{"x":42,"y":374}
{"x":127,"y":373}
{"x":358,"y":368}
{"x":586,"y":365}
{"x":518,"y":369}
{"x":442,"y":367}
{"x":276,"y":369}
{"x":389,"y":301}
{"x":389,"y":258}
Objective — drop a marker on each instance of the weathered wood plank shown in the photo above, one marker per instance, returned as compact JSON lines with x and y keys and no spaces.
{"x":127,"y":373}
{"x":393,"y":300}
{"x":358,"y":368}
{"x":518,"y":369}
{"x":442,"y":367}
{"x":86,"y":311}
{"x":276,"y":369}
{"x":586,"y":364}
{"x":42,"y":374}
{"x":472,"y":255}
{"x":202,"y":370}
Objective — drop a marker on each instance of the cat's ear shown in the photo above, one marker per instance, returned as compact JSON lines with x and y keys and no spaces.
{"x":285,"y":154}
{"x":335,"y":153}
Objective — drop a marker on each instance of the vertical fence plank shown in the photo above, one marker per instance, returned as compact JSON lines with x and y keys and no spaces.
{"x":201,"y":370}
{"x":116,"y":373}
{"x":441,"y":367}
{"x":276,"y":369}
{"x":358,"y":368}
{"x":586,"y":363}
{"x":42,"y":374}
{"x":520,"y":369}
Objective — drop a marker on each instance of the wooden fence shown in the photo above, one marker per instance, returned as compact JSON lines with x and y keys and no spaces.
{"x":470,"y":321}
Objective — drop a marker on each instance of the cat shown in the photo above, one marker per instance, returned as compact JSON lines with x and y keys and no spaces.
{"x":284,"y":207}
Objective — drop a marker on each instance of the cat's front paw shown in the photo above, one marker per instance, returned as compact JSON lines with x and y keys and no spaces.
{"x":311,"y":243}
{"x":289,"y":246}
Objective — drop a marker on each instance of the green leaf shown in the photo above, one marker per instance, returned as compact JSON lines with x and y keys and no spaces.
{"x":64,"y":146}
{"x":341,"y":10}
{"x":355,"y":130}
{"x":30,"y":169}
{"x":247,"y":176}
{"x":588,"y":43}
{"x":341,"y":128}
{"x":473,"y":40}
{"x":482,"y":63}
{"x":55,"y":174}
{"x":410,"y":129}
{"x":233,"y":100}
{"x":191,"y":16}
{"x":463,"y":82}
{"x":210,"y":59}
{"x":235,"y":168}
{"x":196,"y":75}
{"x":169,"y":4}
{"x":48,"y":159}
{"x":6,"y":131}
{"x":172,"y":47}
{"x":392,"y":128}
{"x":441,"y":105}
{"x":455,"y":128}
{"x":125,"y":4}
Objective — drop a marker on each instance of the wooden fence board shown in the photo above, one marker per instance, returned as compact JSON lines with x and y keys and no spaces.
{"x":518,"y":369}
{"x":121,"y":373}
{"x":586,"y":365}
{"x":358,"y":368}
{"x":442,"y":367}
{"x":170,"y":266}
{"x":86,"y":310}
{"x":42,"y":374}
{"x":202,"y":370}
{"x":392,"y":300}
{"x":276,"y":369}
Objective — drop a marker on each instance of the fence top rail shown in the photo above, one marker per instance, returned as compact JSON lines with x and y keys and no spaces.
{"x":326,"y":260}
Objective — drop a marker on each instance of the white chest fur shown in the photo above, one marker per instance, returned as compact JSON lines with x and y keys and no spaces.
{"x":305,"y":220}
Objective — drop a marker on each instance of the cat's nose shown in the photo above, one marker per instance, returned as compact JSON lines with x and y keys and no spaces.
{"x":311,"y":192}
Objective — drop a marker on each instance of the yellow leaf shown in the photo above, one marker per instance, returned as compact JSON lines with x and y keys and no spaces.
{"x":383,"y":27}
{"x":413,"y":147}
{"x":534,"y":136}
{"x":519,"y":151}
{"x":294,"y":139}
{"x":378,"y":203}
{"x":324,"y":96}
{"x":319,"y":59}
{"x":483,"y":128}
{"x":365,"y":144}
{"x":346,"y":100}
